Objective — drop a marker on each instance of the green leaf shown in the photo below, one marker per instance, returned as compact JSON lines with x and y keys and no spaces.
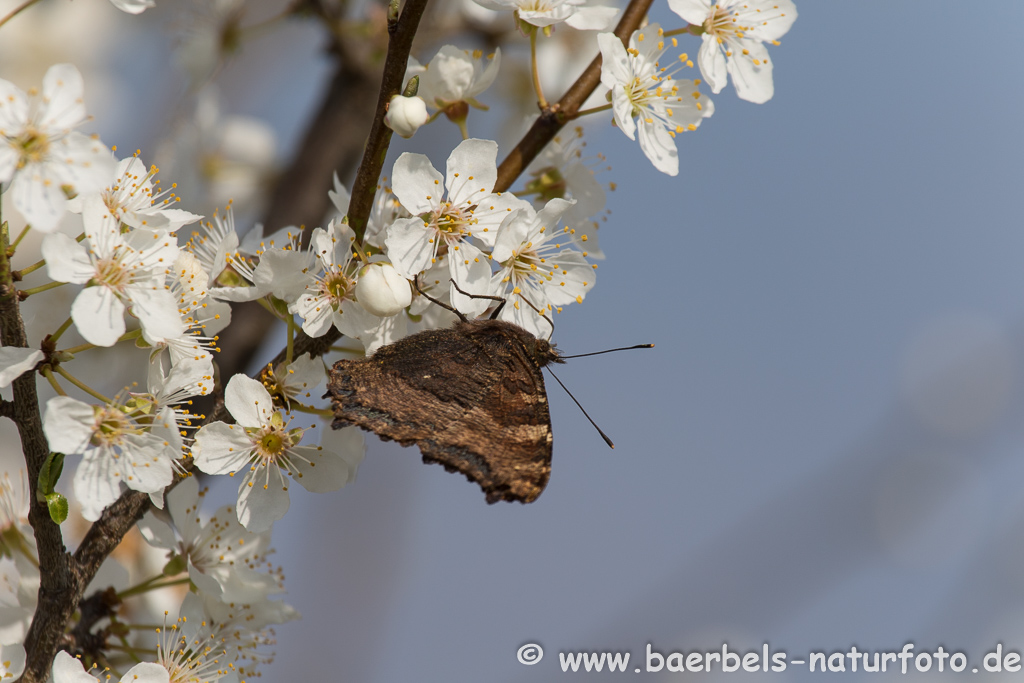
{"x":58,"y":507}
{"x":49,"y":475}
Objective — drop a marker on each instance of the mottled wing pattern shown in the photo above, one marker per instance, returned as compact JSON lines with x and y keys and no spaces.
{"x":471,"y":397}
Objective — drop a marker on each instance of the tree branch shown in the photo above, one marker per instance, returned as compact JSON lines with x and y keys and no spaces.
{"x":58,"y":588}
{"x":364,"y":188}
{"x":557,"y":115}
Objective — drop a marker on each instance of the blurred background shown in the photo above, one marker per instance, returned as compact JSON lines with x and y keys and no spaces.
{"x":824,"y":449}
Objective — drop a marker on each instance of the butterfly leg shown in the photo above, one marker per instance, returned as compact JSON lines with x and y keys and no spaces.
{"x":482,"y":296}
{"x":416,"y":284}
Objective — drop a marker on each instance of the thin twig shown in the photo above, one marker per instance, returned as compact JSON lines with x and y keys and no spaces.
{"x":554,"y":117}
{"x":365,"y":185}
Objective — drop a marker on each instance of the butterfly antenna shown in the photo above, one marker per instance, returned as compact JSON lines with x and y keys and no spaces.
{"x":480,"y":296}
{"x":598,"y":353}
{"x":603,"y":435}
{"x":416,"y":284}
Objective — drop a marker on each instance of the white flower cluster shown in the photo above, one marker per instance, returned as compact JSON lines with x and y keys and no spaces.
{"x":111,"y":232}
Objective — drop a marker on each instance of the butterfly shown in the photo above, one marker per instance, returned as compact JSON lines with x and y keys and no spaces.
{"x":471,"y":396}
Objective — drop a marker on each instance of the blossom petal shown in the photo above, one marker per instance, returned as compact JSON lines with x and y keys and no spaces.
{"x":36,"y":193}
{"x":659,"y":147}
{"x":354,"y":321}
{"x":622,"y":110}
{"x":62,"y":93}
{"x":751,"y":72}
{"x":614,"y":61}
{"x":472,"y":171}
{"x":13,"y":658}
{"x":512,"y":234}
{"x":68,"y":424}
{"x":491,"y":211}
{"x":784,"y":14}
{"x":592,"y":18}
{"x":98,"y":315}
{"x":261,"y":503}
{"x":8,"y":160}
{"x":157,"y":312}
{"x":692,"y":11}
{"x":488,"y":75}
{"x":316,"y":313}
{"x":15,"y":361}
{"x":221,"y":448}
{"x":146,"y":672}
{"x":95,"y":484}
{"x":133,"y":6}
{"x":711,"y":59}
{"x":417,"y":184}
{"x":68,"y":669}
{"x":81,"y":161}
{"x":66,"y":259}
{"x":13,"y":107}
{"x":157,"y":532}
{"x":472,"y":271}
{"x":248,"y":401}
{"x":284,"y":273}
{"x":319,"y":470}
{"x":409,"y":246}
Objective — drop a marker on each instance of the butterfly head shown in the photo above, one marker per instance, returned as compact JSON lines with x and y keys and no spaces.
{"x":544,"y":352}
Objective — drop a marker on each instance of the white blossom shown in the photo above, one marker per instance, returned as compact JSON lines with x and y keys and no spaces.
{"x":124,"y":271}
{"x":135,"y":200}
{"x":222,"y":558}
{"x":40,"y":154}
{"x":381,"y":290}
{"x":329,"y":290}
{"x":443,"y":225}
{"x":561,"y":171}
{"x":117,"y":447}
{"x":263,"y":449}
{"x":297,"y":381}
{"x":406,"y":115}
{"x":202,"y":318}
{"x":539,"y":266}
{"x":455,"y":75}
{"x":641,"y":88}
{"x":734,"y":33}
{"x":575,"y":13}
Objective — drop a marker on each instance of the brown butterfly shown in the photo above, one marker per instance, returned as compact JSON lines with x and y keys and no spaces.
{"x":471,"y":396}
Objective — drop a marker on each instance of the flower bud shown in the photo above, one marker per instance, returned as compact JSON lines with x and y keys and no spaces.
{"x":406,"y":114}
{"x":381,"y":290}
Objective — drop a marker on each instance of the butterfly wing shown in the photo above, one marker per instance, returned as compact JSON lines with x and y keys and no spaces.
{"x":471,"y":397}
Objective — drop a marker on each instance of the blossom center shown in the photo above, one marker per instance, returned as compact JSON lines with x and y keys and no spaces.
{"x":33,"y":147}
{"x":272,"y":443}
{"x":524,"y":264}
{"x":722,"y":21}
{"x":336,"y":287}
{"x":548,"y":183}
{"x":111,"y":426}
{"x":535,"y":6}
{"x":452,"y":220}
{"x":111,"y":272}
